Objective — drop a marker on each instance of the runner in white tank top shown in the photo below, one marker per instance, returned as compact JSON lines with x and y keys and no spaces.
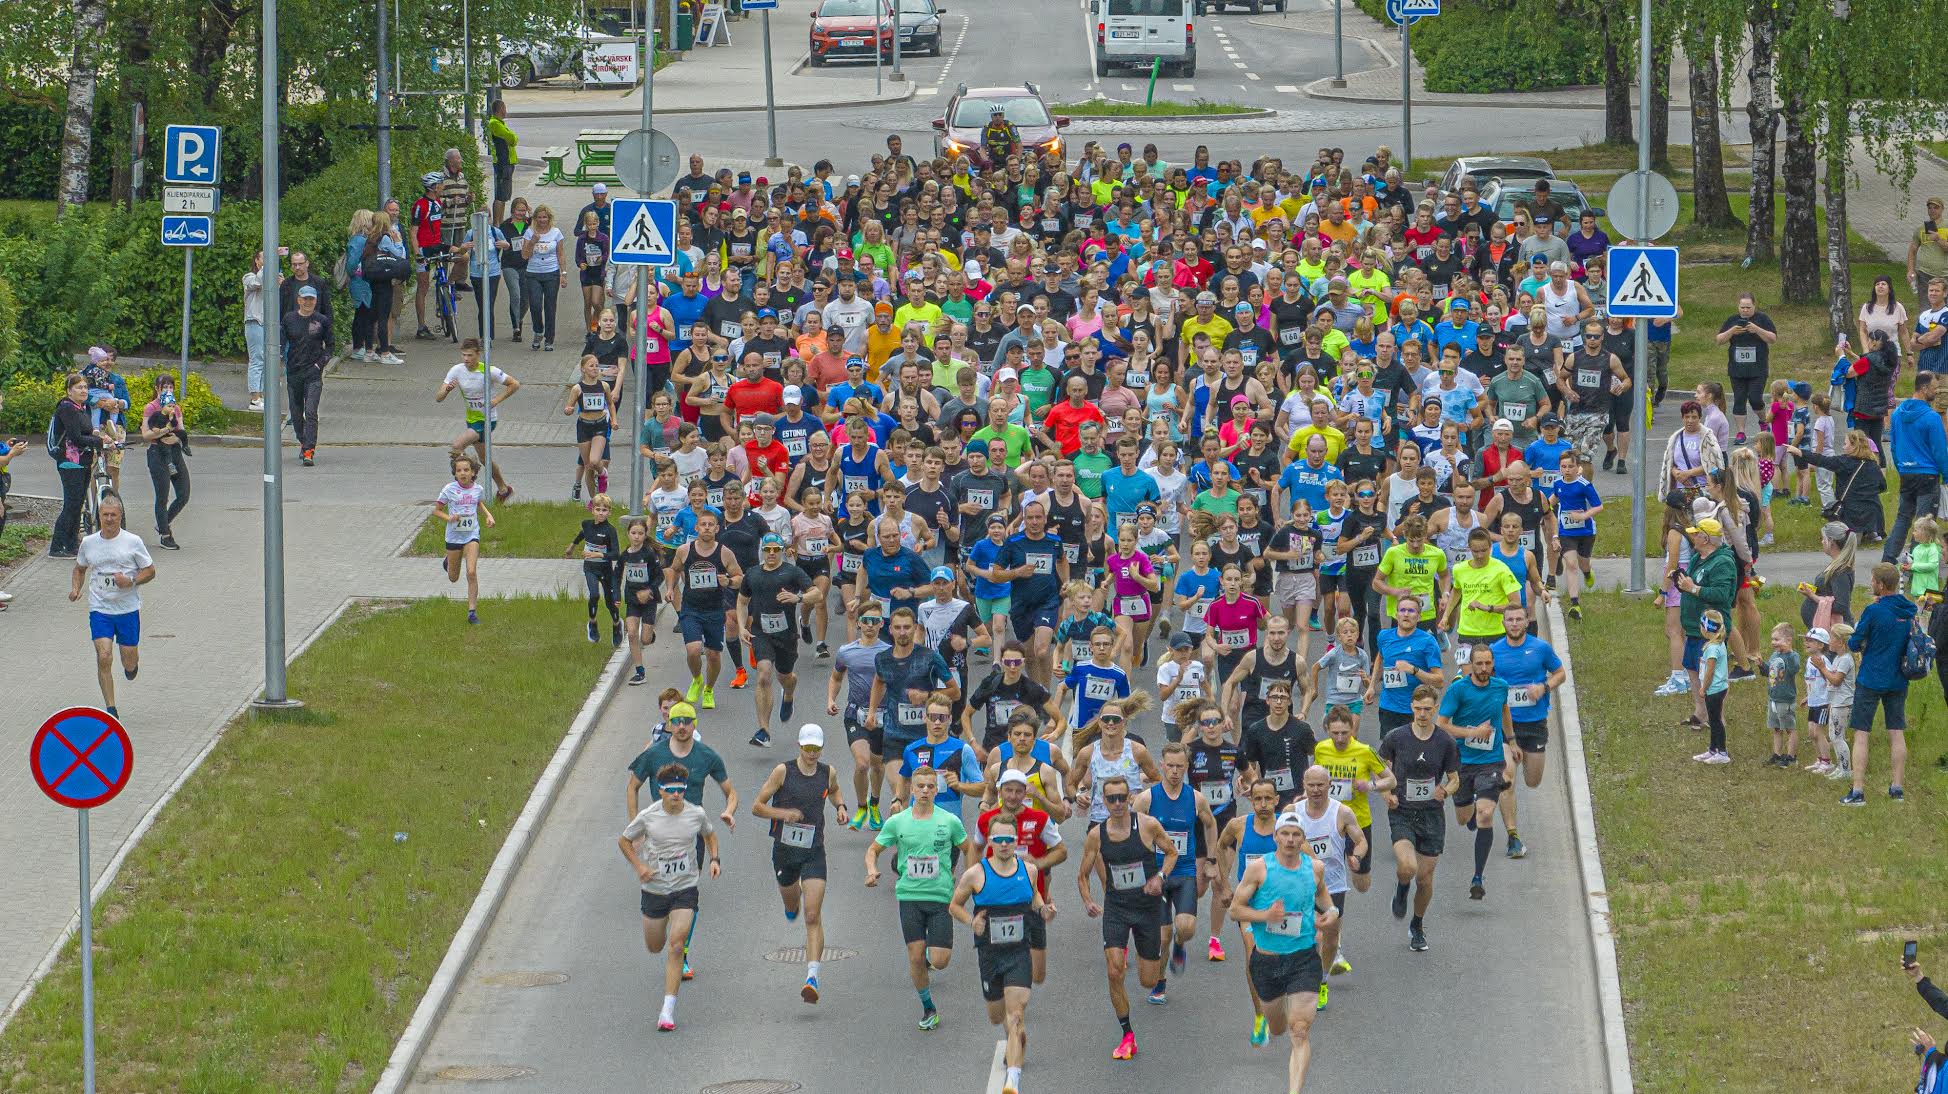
{"x":1101,"y":769}
{"x":1563,"y":311}
{"x":1326,"y":841}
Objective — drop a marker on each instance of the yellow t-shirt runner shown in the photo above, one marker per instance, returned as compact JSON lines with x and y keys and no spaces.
{"x":1217,"y":328}
{"x":1415,"y":571}
{"x":1358,"y":761}
{"x":1492,"y":585}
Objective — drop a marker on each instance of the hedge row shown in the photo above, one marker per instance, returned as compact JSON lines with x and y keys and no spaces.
{"x":30,"y":403}
{"x":101,"y":274}
{"x":1487,"y":46}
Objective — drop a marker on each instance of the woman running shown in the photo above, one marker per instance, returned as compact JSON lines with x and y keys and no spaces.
{"x":601,"y":550}
{"x":591,"y":402}
{"x":462,"y":505}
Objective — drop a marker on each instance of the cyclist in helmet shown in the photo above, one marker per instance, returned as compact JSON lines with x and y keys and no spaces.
{"x":428,"y":214}
{"x":999,"y":138}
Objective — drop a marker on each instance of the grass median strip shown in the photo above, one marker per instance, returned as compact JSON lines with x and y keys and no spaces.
{"x":522,"y":529}
{"x":1751,"y":909}
{"x":276,"y":928}
{"x":20,"y":540}
{"x":1111,"y":108}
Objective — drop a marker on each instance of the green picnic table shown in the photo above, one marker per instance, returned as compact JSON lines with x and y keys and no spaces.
{"x":595,"y":159}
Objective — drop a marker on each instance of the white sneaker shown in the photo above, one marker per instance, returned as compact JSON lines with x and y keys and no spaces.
{"x":1703,"y":757}
{"x":1837,"y":772}
{"x":1676,"y":684}
{"x":257,"y":406}
{"x":1819,"y":767}
{"x":392,"y":359}
{"x":1766,"y":540}
{"x":1719,"y":758}
{"x":360,"y":355}
{"x":5,"y":596}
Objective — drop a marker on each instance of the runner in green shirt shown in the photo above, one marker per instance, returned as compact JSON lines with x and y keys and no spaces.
{"x":1090,"y":461}
{"x":927,"y":840}
{"x":1411,"y":566}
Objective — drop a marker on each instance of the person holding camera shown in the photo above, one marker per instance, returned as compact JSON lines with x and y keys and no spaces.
{"x":168,"y":440}
{"x":1934,"y":1062}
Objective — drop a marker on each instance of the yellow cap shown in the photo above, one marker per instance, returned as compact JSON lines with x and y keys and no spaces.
{"x":682,"y":710}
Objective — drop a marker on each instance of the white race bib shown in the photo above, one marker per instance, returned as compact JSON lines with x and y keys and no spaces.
{"x":1292,"y":926}
{"x":1125,"y":876}
{"x":671,"y":867}
{"x":703,"y":579}
{"x":1099,"y":688}
{"x":1745,"y":355}
{"x":1346,"y":681}
{"x":1342,"y":790}
{"x":1218,"y":793}
{"x":1393,"y":678}
{"x":636,"y":573}
{"x":1234,"y":640}
{"x":594,"y":402}
{"x":1479,"y":744}
{"x":774,"y":622}
{"x":1132,"y":606}
{"x":1525,"y":697}
{"x":1420,"y":790}
{"x":922,"y":867}
{"x":1463,"y":652}
{"x":1281,"y":778}
{"x":911,"y":715}
{"x":1366,"y":554}
{"x":1004,"y":929}
{"x":1041,"y":563}
{"x":797,"y":835}
{"x":467,"y":524}
{"x":1181,"y":841}
{"x":1588,"y":377}
{"x":1319,"y":846}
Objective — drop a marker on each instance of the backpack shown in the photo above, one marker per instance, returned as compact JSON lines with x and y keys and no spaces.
{"x":1917,"y":657}
{"x":57,"y":450}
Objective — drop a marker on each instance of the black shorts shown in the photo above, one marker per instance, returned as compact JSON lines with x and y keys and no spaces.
{"x":779,"y":649}
{"x":1027,"y":617}
{"x":1180,"y":895}
{"x":817,"y":567}
{"x":1330,"y":584}
{"x":927,"y":921}
{"x":658,"y":906}
{"x":1144,"y":920}
{"x":1004,"y":967}
{"x":1479,"y":781}
{"x":1366,"y":862}
{"x":1576,"y":545}
{"x":1277,"y":975}
{"x":794,"y":864}
{"x":586,"y":430}
{"x":1391,"y":720}
{"x":1422,"y":828}
{"x":1748,"y":393}
{"x":875,"y":737}
{"x":635,"y":609}
{"x":1532,"y":736}
{"x":1622,"y":409}
{"x":592,"y":278}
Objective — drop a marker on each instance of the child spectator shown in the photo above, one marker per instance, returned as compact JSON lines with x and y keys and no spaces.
{"x":1782,"y":667}
{"x":1714,"y":677}
{"x":1922,"y":560}
{"x":1838,"y":667}
{"x":1817,"y":700}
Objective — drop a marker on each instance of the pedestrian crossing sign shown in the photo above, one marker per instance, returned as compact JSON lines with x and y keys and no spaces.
{"x":1643,"y":282}
{"x":645,"y":232}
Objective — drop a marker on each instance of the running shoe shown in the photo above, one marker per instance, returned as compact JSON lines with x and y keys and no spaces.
{"x":1838,"y":772}
{"x":309,"y":457}
{"x":637,"y":677}
{"x":1719,"y":758}
{"x":575,"y":489}
{"x":708,"y":699}
{"x":1895,"y":793}
{"x":1216,"y":951}
{"x":602,"y":483}
{"x":1702,"y":757}
{"x":1125,"y":1048}
{"x":809,"y":993}
{"x":615,"y":635}
{"x":1741,"y":674}
{"x":804,"y":631}
{"x":1674,"y":684}
{"x":1416,"y":940}
{"x":593,"y":636}
{"x":1575,"y":611}
{"x":784,"y":711}
{"x":1623,"y":467}
{"x":858,"y":820}
{"x":1609,"y":460}
{"x":1515,"y":848}
{"x":473,"y":616}
{"x":1158,"y":996}
{"x":390,"y":358}
{"x":504,"y":493}
{"x":741,"y":678}
{"x":666,"y":1024}
{"x":696,"y":689}
{"x":1260,"y":1033}
{"x":687,"y":974}
{"x":930,"y":1021}
{"x":1010,"y":1088}
{"x":1323,"y":995}
{"x":824,"y":650}
{"x":257,"y":406}
{"x":1178,"y":957}
{"x":1854,"y":797}
{"x":1341,"y":966}
{"x":761,"y":739}
{"x":1475,"y":889}
{"x":1400,"y":904}
{"x":874,"y":818}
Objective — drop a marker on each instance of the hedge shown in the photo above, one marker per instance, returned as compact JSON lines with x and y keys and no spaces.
{"x":1486,"y":46}
{"x":30,"y":403}
{"x":101,"y":274}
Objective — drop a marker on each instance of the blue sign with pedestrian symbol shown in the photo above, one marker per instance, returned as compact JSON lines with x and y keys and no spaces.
{"x":1409,"y":12}
{"x":189,"y":155}
{"x":645,"y":232}
{"x":1643,"y":282}
{"x":186,"y":231}
{"x":81,"y":757}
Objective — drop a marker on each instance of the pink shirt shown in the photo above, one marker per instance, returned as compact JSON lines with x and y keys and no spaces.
{"x":1132,"y":598}
{"x":1234,"y":624}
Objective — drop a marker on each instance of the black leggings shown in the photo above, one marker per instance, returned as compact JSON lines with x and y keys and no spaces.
{"x":67,"y":526}
{"x":382,"y":294}
{"x":1358,"y":585}
{"x":601,"y":582}
{"x":168,"y":467}
{"x":362,"y":327}
{"x":1715,"y":714}
{"x":1872,"y":427}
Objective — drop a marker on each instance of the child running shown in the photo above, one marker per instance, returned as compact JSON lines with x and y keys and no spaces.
{"x":462,"y":505}
{"x":642,"y":576}
{"x":601,"y":551}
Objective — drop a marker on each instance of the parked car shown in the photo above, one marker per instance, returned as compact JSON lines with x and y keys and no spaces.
{"x":848,"y":28}
{"x":1138,"y":33}
{"x":1485,"y":168}
{"x":1503,"y":195}
{"x":920,"y":27}
{"x":957,"y":132}
{"x":523,"y":62}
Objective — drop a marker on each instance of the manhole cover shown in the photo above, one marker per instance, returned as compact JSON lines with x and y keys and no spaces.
{"x":796,"y":955}
{"x":752,"y":1086}
{"x":525,"y":979}
{"x":484,"y":1073}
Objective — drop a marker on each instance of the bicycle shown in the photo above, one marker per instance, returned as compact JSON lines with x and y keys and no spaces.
{"x":444,"y":300}
{"x":99,"y":487}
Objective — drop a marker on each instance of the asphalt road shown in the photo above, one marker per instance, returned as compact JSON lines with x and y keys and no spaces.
{"x":1506,"y":994}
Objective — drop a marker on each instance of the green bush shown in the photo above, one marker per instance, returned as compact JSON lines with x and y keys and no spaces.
{"x":30,"y":403}
{"x":63,"y":278}
{"x":1488,"y":46}
{"x":9,"y":324}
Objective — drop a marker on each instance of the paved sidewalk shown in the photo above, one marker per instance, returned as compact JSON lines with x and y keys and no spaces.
{"x":1885,"y":213}
{"x":202,"y":648}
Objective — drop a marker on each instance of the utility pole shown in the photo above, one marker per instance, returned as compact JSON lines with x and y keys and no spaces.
{"x":385,"y":112}
{"x":274,"y":697}
{"x":1640,"y":436}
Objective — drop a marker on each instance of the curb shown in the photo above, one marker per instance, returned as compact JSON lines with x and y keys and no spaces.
{"x":493,"y":889}
{"x":636,"y":111}
{"x":1596,"y":897}
{"x":109,"y":872}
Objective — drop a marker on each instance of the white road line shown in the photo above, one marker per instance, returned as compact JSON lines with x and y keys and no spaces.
{"x":1183,"y":87}
{"x":1286,"y":89}
{"x":1239,"y":64}
{"x":1251,"y":76}
{"x":998,"y":1073}
{"x":1089,"y":53}
{"x":922,"y":91}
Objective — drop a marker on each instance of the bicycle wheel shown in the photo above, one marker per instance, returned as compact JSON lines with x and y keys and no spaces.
{"x":449,"y":312}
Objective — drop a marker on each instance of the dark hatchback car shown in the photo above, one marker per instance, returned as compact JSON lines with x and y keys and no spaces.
{"x":847,"y":28}
{"x":958,"y":131}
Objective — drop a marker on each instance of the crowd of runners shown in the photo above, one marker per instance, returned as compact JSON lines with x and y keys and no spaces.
{"x":1012,"y":462}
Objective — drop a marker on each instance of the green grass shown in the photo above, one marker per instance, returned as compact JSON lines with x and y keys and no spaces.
{"x":522,"y":529}
{"x":242,"y":423}
{"x":269,"y":933}
{"x":20,"y":540}
{"x":1758,"y":922}
{"x":19,"y":215}
{"x":1939,"y":148}
{"x":1794,"y":527}
{"x":1108,"y":108}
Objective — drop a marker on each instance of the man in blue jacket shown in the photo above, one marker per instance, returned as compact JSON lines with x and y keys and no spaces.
{"x":1880,"y":638}
{"x":1920,"y":455}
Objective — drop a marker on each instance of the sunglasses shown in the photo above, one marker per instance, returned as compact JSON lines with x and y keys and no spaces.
{"x":872,"y":620}
{"x":811,"y":748}
{"x":682,"y":721}
{"x":674,"y":788}
{"x":1001,"y":839}
{"x":1112,"y":719}
{"x":937,"y":717}
{"x":1115,"y":799}
{"x":775,"y":547}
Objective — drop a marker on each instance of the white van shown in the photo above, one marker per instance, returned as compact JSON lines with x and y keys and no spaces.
{"x":1134,"y":33}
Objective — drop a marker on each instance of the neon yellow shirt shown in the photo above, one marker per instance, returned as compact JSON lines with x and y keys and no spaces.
{"x":1359,"y":761}
{"x":1493,"y":585}
{"x":1415,"y":571}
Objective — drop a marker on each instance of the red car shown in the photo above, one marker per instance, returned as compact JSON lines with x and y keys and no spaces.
{"x":846,"y":28}
{"x":958,"y":132}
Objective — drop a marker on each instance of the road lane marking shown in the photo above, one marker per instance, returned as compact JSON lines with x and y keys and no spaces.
{"x":1252,"y":76}
{"x":1286,"y":88}
{"x":998,"y":1073}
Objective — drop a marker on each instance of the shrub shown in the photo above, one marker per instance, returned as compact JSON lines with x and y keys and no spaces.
{"x":1488,"y":46}
{"x":63,"y":280}
{"x":30,"y":403}
{"x":9,"y":325}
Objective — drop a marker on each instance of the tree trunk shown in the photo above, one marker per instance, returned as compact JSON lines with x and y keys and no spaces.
{"x":1660,"y":104}
{"x":77,"y":129}
{"x":1799,"y":249}
{"x":1762,"y":121}
{"x":1711,"y":205}
{"x":209,"y":43}
{"x":137,"y":48}
{"x":1616,"y":81}
{"x":1839,"y":293}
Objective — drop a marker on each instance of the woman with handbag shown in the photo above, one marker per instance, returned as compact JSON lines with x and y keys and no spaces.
{"x":385,"y":266}
{"x":351,"y":271}
{"x":1829,"y":596}
{"x":1860,"y":482}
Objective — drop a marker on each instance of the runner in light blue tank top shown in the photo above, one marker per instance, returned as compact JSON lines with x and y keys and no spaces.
{"x":1295,"y":886}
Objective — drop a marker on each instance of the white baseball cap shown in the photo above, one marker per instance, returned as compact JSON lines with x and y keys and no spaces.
{"x":1012,"y":776}
{"x":810,"y":734}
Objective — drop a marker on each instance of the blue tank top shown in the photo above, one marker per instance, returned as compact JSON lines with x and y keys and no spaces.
{"x":1517,"y":563}
{"x":861,"y":474}
{"x":1252,"y":845}
{"x":1000,"y":889}
{"x":1179,"y":818}
{"x":1297,"y":889}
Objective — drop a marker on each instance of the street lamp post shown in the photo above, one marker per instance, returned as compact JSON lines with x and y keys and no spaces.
{"x":274,"y":697}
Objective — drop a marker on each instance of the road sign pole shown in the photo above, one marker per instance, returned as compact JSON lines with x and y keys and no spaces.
{"x":483,"y":246}
{"x":1338,"y":46}
{"x":770,"y":104}
{"x":1640,"y":439}
{"x":643,"y":274}
{"x":274,"y":697}
{"x":1406,"y":106}
{"x":897,"y":76}
{"x":182,"y":380}
{"x":87,"y":962}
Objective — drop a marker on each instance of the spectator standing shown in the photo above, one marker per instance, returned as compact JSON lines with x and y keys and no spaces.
{"x":253,"y":303}
{"x":1927,"y":252}
{"x":1748,"y":337}
{"x":1930,"y":336}
{"x":1934,"y":1063}
{"x":456,"y":205}
{"x":1884,"y":313}
{"x":1859,"y":480}
{"x":1873,"y":376}
{"x":503,"y":142}
{"x":1880,"y":639}
{"x":1708,"y":583}
{"x":514,"y":263}
{"x":1829,"y":596}
{"x":1920,"y":458}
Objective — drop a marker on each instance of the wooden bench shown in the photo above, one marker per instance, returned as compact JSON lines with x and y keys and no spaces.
{"x":554,"y":167}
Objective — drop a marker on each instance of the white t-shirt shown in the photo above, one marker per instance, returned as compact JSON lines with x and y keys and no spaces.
{"x":464,"y":503}
{"x":1170,"y":490}
{"x":1184,"y":681}
{"x":473,"y":384}
{"x":103,"y":559}
{"x":546,"y":258}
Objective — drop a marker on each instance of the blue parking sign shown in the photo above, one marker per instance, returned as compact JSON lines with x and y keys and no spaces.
{"x":189,"y":155}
